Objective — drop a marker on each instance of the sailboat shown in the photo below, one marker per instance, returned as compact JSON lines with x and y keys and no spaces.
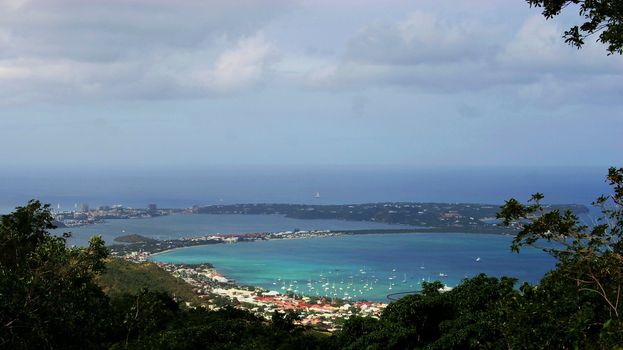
{"x":317,"y":195}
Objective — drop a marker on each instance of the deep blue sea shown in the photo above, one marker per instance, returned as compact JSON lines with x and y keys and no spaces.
{"x":336,"y":185}
{"x":366,"y":266}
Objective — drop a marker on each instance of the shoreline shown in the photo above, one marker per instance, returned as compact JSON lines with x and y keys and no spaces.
{"x":217,"y":291}
{"x":239,"y":283}
{"x":150,"y":250}
{"x":336,"y":234}
{"x":174,"y":249}
{"x":329,"y":234}
{"x":247,"y":295}
{"x":402,"y":215}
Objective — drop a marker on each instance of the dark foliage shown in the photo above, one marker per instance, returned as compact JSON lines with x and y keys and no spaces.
{"x":579,"y":303}
{"x":601,"y":17}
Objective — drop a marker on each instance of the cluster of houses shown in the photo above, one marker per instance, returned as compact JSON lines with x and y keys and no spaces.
{"x":312,"y":311}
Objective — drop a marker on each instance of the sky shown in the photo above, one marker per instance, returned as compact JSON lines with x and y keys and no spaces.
{"x":196,"y":83}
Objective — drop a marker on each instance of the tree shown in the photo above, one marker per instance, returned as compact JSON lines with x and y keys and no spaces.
{"x":143,"y":313}
{"x":49,"y":300}
{"x":285,"y":321}
{"x":47,"y":290}
{"x":470,"y":316}
{"x":589,"y":259}
{"x":603,"y":17}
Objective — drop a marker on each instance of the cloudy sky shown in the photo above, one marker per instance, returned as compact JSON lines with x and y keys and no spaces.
{"x":355,"y":82}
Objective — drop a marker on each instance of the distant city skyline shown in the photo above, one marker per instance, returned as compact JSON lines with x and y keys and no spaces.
{"x":139,"y":84}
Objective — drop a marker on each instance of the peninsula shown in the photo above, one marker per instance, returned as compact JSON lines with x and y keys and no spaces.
{"x":435,"y":217}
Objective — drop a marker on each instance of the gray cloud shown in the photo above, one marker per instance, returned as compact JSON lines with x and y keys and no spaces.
{"x":358,"y":106}
{"x":421,"y":38}
{"x":51,"y":50}
{"x":425,"y":53}
{"x":100,"y":30}
{"x":65,"y":50}
{"x":468,"y":111}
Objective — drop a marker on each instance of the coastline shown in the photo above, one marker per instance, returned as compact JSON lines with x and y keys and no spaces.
{"x":402,"y":215}
{"x":201,"y":241}
{"x":337,"y":234}
{"x":217,"y":291}
{"x":288,"y":287}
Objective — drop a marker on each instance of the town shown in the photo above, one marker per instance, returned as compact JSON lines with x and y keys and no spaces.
{"x":217,"y":291}
{"x":83,"y":215}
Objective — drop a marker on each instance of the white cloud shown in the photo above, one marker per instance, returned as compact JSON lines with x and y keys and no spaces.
{"x":190,"y":73}
{"x":241,"y":66}
{"x":537,"y":42}
{"x":12,"y":5}
{"x":538,"y":47}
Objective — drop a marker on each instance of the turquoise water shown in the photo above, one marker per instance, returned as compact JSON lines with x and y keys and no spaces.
{"x":176,"y":226}
{"x":366,"y":266}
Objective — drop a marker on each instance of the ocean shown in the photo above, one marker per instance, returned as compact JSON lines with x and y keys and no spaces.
{"x":183,"y":188}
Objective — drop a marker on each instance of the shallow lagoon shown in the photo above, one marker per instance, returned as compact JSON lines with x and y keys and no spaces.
{"x":366,"y":266}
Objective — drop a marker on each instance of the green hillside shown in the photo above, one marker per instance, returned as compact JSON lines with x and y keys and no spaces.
{"x":124,"y":277}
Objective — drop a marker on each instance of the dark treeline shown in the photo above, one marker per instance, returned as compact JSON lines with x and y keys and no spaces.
{"x":49,"y":297}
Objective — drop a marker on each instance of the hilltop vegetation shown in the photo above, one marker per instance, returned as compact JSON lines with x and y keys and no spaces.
{"x":123,"y":277}
{"x":55,"y":297}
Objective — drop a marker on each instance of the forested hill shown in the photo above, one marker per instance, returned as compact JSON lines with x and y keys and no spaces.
{"x":123,"y":277}
{"x":437,"y":215}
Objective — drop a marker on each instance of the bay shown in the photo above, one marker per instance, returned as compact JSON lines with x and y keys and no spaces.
{"x":366,"y":266}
